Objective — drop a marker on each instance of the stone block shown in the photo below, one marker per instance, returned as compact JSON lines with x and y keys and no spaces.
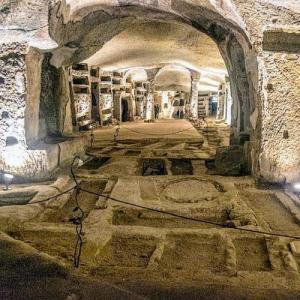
{"x":281,"y":38}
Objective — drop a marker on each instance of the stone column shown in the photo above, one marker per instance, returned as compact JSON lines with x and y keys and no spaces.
{"x":151,"y":74}
{"x":19,"y":108}
{"x":194,"y":94}
{"x":228,"y":107}
{"x":150,"y":102}
{"x":221,"y":102}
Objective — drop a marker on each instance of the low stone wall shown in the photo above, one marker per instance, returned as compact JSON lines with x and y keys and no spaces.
{"x":41,"y":164}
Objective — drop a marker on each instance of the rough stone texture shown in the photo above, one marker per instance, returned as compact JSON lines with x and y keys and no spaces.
{"x":49,"y":99}
{"x":33,"y":73}
{"x":30,"y":164}
{"x":32,"y":14}
{"x":154,"y":39}
{"x":202,"y":16}
{"x":173,"y":78}
{"x":151,"y":254}
{"x":194,"y":98}
{"x":230,"y":161}
{"x":281,"y":154}
{"x":278,"y":87}
{"x":83,"y":103}
{"x":12,"y":92}
{"x":282,"y":38}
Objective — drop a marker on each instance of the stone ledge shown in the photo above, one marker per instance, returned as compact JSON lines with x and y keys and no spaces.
{"x":282,"y":38}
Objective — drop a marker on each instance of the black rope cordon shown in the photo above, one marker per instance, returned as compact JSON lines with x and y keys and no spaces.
{"x":40,"y":201}
{"x":76,"y":157}
{"x":80,"y":215}
{"x":193,"y":219}
{"x":158,"y":134}
{"x":78,"y":219}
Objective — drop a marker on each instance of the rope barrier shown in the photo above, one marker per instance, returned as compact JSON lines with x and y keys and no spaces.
{"x":79,"y":218}
{"x":78,"y":222}
{"x":192,"y":219}
{"x":9,"y":203}
{"x":158,"y":134}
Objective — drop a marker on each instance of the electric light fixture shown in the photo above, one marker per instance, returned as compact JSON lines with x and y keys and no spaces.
{"x":8,"y":178}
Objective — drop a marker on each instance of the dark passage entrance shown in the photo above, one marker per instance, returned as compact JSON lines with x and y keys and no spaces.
{"x":125,"y":111}
{"x":213,"y":106}
{"x":153,"y":167}
{"x":95,"y":102}
{"x":181,"y":167}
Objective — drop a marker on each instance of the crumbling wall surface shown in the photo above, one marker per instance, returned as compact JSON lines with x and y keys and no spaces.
{"x":281,"y":117}
{"x":12,"y":92}
{"x":49,"y":99}
{"x":55,"y":118}
{"x":15,"y":158}
{"x":257,"y":14}
{"x":26,"y":15}
{"x":279,"y":86}
{"x":33,"y":75}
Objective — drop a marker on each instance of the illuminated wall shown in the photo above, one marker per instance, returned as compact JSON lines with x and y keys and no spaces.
{"x":12,"y":93}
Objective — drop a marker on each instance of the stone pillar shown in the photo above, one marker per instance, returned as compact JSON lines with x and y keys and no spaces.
{"x":194,"y":94}
{"x":19,"y":111}
{"x":221,"y":102}
{"x":149,"y":115}
{"x":228,"y":102}
{"x":149,"y":105}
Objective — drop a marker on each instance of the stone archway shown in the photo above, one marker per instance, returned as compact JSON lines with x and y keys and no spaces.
{"x":269,"y":70}
{"x":82,"y":30}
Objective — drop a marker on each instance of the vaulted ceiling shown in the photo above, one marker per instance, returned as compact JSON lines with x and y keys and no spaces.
{"x":154,"y":44}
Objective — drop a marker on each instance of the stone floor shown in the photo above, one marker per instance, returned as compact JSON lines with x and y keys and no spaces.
{"x":133,"y":253}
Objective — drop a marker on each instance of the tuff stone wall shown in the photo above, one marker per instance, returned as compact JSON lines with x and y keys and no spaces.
{"x":49,"y":99}
{"x":83,"y":102}
{"x":33,"y":74}
{"x":18,"y":108}
{"x":13,"y":92}
{"x":281,"y":117}
{"x":279,"y":87}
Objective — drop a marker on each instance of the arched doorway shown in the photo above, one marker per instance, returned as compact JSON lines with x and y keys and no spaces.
{"x":85,"y":29}
{"x":125,"y":110}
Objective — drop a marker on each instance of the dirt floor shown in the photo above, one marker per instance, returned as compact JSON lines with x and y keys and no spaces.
{"x":132,"y":253}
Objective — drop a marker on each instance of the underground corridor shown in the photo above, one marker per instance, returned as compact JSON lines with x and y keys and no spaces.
{"x":149,"y":149}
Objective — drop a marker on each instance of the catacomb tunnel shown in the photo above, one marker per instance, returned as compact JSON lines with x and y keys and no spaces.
{"x":150,"y":149}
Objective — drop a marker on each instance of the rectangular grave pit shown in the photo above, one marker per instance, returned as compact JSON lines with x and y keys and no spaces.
{"x":127,"y":251}
{"x":194,"y":252}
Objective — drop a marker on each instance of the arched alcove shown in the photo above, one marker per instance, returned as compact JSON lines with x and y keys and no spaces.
{"x":173,"y":77}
